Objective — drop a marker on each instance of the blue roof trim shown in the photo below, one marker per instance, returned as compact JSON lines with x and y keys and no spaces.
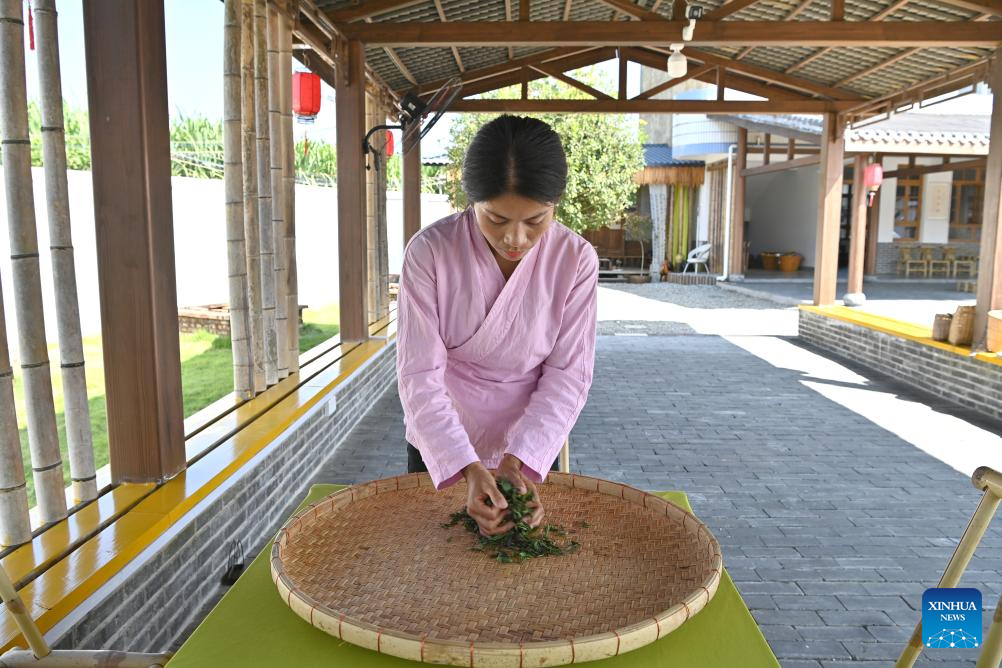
{"x":660,"y":155}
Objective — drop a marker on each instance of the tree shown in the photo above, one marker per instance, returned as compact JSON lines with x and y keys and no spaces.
{"x":603,"y":153}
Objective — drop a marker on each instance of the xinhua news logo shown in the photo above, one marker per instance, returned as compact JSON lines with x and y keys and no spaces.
{"x":951,"y":618}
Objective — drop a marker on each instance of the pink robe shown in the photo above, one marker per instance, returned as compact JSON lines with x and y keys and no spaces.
{"x":487,"y":367}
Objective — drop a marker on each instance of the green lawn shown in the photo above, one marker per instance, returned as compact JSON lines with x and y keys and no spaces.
{"x":206,"y":375}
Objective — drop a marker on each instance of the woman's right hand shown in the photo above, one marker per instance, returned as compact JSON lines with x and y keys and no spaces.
{"x":480,"y":484}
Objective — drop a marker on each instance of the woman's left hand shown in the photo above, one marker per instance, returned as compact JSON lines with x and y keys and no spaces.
{"x":510,"y":469}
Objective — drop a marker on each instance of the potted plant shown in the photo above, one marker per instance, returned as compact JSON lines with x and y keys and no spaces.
{"x":790,"y":262}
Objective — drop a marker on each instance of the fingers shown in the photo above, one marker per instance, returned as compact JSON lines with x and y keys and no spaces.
{"x":504,"y":528}
{"x":536,"y":518}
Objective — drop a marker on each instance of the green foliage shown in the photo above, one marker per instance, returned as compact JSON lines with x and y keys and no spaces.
{"x":76,"y":136}
{"x":318,"y":165}
{"x":603,"y":153}
{"x":433,"y":177}
{"x":521,"y":542}
{"x":196,"y":147}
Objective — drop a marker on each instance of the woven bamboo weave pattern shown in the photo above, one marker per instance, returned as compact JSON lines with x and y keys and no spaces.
{"x":375,"y":557}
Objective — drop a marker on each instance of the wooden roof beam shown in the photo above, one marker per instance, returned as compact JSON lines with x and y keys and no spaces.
{"x":366,"y":10}
{"x":567,"y":63}
{"x":455,"y":51}
{"x":671,"y":83}
{"x":471,"y":76}
{"x":720,"y":33}
{"x":632,"y":10}
{"x":727,"y":9}
{"x":571,"y":81}
{"x":650,"y":106}
{"x":794,"y":13}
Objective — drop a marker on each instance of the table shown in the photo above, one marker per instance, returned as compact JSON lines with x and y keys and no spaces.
{"x":252,"y":626}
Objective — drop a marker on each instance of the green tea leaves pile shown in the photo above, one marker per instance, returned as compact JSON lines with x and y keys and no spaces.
{"x":521,"y":542}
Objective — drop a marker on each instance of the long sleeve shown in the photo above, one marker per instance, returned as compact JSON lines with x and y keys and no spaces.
{"x":432,"y":420}
{"x":560,"y":394}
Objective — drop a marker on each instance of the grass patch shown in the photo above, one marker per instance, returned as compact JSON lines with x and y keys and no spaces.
{"x":206,"y":375}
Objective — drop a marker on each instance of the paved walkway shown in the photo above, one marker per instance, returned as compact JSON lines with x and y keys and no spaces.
{"x":828,"y":487}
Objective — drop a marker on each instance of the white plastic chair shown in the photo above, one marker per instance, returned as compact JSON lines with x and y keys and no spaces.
{"x":699,"y":255}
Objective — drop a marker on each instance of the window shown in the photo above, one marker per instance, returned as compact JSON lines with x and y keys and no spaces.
{"x":965,"y":204}
{"x":908,"y":208}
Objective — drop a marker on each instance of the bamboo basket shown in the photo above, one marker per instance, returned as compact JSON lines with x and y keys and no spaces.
{"x":994,"y":340}
{"x":962,"y":326}
{"x":372,"y":565}
{"x":941,"y":326}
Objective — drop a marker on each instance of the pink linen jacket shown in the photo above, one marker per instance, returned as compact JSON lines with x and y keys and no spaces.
{"x":487,"y":366}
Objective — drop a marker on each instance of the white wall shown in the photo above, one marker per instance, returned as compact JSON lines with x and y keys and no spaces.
{"x":199,"y":246}
{"x":934,"y":229}
{"x":784,"y":209}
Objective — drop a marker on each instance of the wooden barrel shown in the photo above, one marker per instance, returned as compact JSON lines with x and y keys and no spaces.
{"x":941,"y":326}
{"x":994,"y":340}
{"x":962,"y":326}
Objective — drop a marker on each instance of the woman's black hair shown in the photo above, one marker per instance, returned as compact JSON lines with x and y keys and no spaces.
{"x":515,"y":154}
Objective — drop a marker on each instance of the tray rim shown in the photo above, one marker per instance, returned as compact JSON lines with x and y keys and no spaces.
{"x":460,"y":653}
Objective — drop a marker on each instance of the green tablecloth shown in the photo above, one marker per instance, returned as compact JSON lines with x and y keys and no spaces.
{"x":252,"y":626}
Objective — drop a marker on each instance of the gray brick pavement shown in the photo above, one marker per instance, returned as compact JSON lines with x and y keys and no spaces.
{"x":831,"y":526}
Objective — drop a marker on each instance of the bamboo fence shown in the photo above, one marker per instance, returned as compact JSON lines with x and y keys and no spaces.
{"x":236,"y":249}
{"x":252,"y":232}
{"x":43,"y":438}
{"x":289,"y":179}
{"x":277,"y":148}
{"x":79,"y":439}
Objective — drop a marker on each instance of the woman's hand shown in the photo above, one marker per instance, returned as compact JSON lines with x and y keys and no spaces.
{"x":492,"y":519}
{"x":511,"y":470}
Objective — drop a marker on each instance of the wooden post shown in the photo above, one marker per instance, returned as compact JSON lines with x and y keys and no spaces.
{"x":130,"y":151}
{"x":289,"y":186}
{"x":79,"y":440}
{"x":372,"y":211}
{"x":857,"y":234}
{"x":990,"y":265}
{"x":276,"y":161}
{"x":791,"y":148}
{"x":872,"y":230}
{"x":14,"y":522}
{"x":267,"y":236}
{"x":768,"y":148}
{"x":738,"y":208}
{"x":43,"y":438}
{"x":236,"y":250}
{"x":829,"y":211}
{"x":350,"y":119}
{"x":412,"y":192}
{"x":252,"y":232}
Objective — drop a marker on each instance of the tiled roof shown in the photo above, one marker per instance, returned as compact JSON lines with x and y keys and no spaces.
{"x":659,"y":155}
{"x":918,"y":129}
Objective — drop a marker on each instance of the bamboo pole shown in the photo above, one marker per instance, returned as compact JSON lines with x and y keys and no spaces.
{"x":382,"y":245}
{"x":15,"y":606}
{"x":43,"y":438}
{"x":267,"y":238}
{"x":15,"y":522}
{"x":371,"y":211}
{"x":236,"y":248}
{"x":289,"y":172}
{"x":252,"y":233}
{"x":79,"y":440}
{"x":277,"y":193}
{"x":82,"y":658}
{"x":991,"y":648}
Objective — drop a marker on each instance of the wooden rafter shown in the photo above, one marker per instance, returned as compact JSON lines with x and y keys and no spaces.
{"x":658,"y":60}
{"x":651,"y":106}
{"x":567,"y":10}
{"x":879,"y":16}
{"x":455,"y":51}
{"x":727,"y":9}
{"x":989,"y":6}
{"x":794,"y":13}
{"x":399,"y":64}
{"x":631,"y":9}
{"x":720,"y":73}
{"x":670,"y":83}
{"x":838,"y":10}
{"x":507,"y":17}
{"x":623,"y":63}
{"x":564,"y":64}
{"x":571,"y":81}
{"x":870,"y":69}
{"x":523,"y":10}
{"x":471,"y":76}
{"x":365,"y":10}
{"x":719,"y":33}
{"x":772,"y":76}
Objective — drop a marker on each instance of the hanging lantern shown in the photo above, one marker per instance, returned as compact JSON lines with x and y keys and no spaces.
{"x":305,"y":96}
{"x":873,"y":176}
{"x":389,"y":144}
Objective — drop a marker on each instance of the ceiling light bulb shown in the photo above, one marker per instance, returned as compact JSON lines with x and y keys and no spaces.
{"x":677,"y":64}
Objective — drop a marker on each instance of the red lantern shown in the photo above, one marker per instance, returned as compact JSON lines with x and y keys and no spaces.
{"x":873,"y":176}
{"x":389,"y":143}
{"x":305,"y":96}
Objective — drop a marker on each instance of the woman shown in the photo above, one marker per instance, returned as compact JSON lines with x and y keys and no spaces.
{"x":496,"y":324}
